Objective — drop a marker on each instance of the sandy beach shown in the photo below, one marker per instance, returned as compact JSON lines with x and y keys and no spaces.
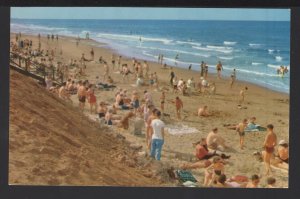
{"x":266,"y":105}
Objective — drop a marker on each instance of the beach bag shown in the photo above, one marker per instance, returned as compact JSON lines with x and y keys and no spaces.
{"x":184,"y":176}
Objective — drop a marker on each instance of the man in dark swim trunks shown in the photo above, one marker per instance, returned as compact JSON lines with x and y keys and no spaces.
{"x":269,"y":145}
{"x":241,"y":131}
{"x":81,"y":95}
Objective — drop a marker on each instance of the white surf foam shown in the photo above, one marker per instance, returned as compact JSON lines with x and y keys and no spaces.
{"x":256,"y":63}
{"x":188,"y":42}
{"x":229,"y":43}
{"x":255,"y":45}
{"x":222,"y":50}
{"x":278,"y":58}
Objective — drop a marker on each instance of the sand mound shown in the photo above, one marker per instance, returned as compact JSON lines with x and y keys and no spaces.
{"x":50,"y":143}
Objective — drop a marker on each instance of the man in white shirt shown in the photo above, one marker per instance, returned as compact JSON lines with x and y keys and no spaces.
{"x":157,"y":136}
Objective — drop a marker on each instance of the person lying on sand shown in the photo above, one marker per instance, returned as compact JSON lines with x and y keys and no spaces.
{"x":203,"y":112}
{"x":274,"y":162}
{"x":215,"y":141}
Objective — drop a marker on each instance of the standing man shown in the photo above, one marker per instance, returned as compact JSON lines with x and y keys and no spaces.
{"x":179,"y":106}
{"x":269,"y":146}
{"x":202,"y":66}
{"x":172,"y":75}
{"x":157,"y":135}
{"x":81,"y":95}
{"x":219,"y":69}
{"x":241,"y":131}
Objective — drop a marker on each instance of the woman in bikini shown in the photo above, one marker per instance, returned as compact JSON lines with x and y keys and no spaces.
{"x":92,"y":99}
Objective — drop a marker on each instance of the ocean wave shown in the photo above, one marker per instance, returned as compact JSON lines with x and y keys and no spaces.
{"x":256,"y":63}
{"x":213,"y":49}
{"x":176,"y":51}
{"x":34,"y":27}
{"x":278,"y":58}
{"x":133,"y":38}
{"x":188,"y":42}
{"x":226,"y":58}
{"x":270,"y":51}
{"x":255,"y":45}
{"x":229,"y":43}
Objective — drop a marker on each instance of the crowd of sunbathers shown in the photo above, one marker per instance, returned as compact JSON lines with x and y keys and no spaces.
{"x":209,"y":151}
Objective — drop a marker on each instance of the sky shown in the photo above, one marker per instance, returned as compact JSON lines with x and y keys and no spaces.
{"x":151,"y":13}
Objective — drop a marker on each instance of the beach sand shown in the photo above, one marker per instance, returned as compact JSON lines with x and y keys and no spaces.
{"x":266,"y":105}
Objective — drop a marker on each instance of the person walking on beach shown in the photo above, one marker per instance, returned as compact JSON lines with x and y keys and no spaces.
{"x":161,"y":59}
{"x":205,"y":70}
{"x":106,"y":71}
{"x":113,"y":61}
{"x":179,"y":107}
{"x":242,"y":94}
{"x":92,"y":54}
{"x":190,"y":66}
{"x":269,"y":146}
{"x":202,"y":66}
{"x":119,"y":62}
{"x":157,"y":135}
{"x":57,"y":37}
{"x":232,"y":78}
{"x":162,"y":102}
{"x":219,"y":69}
{"x":158,"y":59}
{"x":172,"y":75}
{"x":241,"y":131}
{"x":176,"y":58}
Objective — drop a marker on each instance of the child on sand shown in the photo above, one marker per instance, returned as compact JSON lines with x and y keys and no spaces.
{"x":241,"y":131}
{"x":179,"y":106}
{"x":203,"y":112}
{"x":242,"y":94}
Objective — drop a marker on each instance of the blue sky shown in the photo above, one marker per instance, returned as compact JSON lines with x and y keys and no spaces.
{"x":151,"y":13}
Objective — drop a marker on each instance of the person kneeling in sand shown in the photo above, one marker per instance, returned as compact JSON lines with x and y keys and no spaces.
{"x":203,"y":112}
{"x":215,"y":141}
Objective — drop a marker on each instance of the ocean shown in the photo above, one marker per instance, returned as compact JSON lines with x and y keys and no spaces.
{"x":254,"y":48}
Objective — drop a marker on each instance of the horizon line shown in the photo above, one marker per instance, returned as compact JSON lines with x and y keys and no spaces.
{"x":156,"y":19}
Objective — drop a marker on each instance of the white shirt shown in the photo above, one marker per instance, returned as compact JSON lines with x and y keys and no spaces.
{"x":157,"y":126}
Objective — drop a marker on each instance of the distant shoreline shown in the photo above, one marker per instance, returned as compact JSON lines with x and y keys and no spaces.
{"x":211,"y":72}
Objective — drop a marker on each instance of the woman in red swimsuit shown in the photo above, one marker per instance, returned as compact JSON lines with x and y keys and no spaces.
{"x":92,"y":99}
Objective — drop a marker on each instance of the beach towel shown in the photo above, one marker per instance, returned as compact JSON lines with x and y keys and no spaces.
{"x":254,"y":128}
{"x":180,"y":129}
{"x":185,"y":176}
